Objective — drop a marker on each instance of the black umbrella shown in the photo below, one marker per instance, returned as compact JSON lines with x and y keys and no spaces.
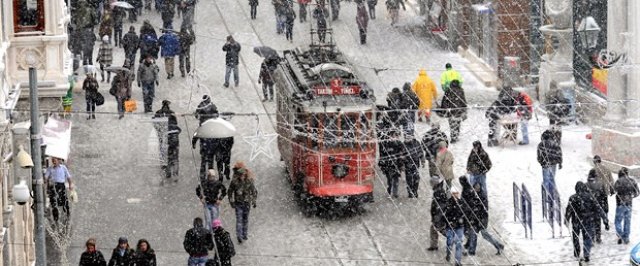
{"x":265,"y":51}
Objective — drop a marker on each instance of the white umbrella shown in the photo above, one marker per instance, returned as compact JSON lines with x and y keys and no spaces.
{"x":216,"y":128}
{"x":122,"y":4}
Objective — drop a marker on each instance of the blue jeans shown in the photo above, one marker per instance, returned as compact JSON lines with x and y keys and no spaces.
{"x":548,"y":178}
{"x":524,"y":127}
{"x":242,"y":219}
{"x":623,"y":214}
{"x":454,"y":236}
{"x":211,"y":212}
{"x":148,"y":93}
{"x":588,"y":231}
{"x":227,"y":73}
{"x":120,"y":101}
{"x":473,"y":240}
{"x":480,"y":179}
{"x":197,"y":261}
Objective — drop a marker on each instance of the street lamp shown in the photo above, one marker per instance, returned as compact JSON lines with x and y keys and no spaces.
{"x":588,"y":31}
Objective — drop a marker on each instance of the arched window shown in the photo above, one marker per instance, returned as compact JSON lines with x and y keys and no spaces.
{"x":28,"y":16}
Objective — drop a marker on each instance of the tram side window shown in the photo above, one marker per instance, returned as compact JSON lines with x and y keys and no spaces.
{"x":300,"y":126}
{"x":348,"y":127}
{"x":314,"y":136}
{"x":364,"y":130}
{"x":330,"y":130}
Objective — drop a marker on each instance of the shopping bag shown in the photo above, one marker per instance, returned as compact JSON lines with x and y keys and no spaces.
{"x":99,"y":99}
{"x":130,"y":105}
{"x":73,"y":196}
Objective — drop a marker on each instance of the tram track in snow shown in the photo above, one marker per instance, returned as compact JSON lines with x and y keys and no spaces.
{"x":324,"y":228}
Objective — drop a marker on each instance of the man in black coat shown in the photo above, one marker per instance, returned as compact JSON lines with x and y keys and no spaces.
{"x":477,"y":204}
{"x":391,"y":154}
{"x":122,"y":255}
{"x":223,"y":157}
{"x":549,"y":156}
{"x":478,"y":164}
{"x":409,"y":103}
{"x":197,"y":242}
{"x":455,"y":215}
{"x":430,"y":142}
{"x":414,"y":157}
{"x":505,"y":104}
{"x":396,"y":114}
{"x":626,"y":190}
{"x":225,"y":249}
{"x":455,"y":104}
{"x":131,"y":43}
{"x":232,"y":49}
{"x":438,"y":205}
{"x":211,"y":192}
{"x":582,"y":212}
{"x":208,"y":147}
{"x":206,"y":109}
{"x":597,"y":190}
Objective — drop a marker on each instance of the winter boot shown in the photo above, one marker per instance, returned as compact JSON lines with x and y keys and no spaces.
{"x":93,"y":115}
{"x":89,"y":117}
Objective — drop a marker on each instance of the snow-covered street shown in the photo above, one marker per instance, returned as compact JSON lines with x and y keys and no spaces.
{"x":117,"y":174}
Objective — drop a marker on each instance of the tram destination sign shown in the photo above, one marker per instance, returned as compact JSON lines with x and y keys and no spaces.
{"x":336,"y":88}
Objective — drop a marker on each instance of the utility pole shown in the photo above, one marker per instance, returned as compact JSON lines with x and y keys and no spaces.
{"x":36,"y":174}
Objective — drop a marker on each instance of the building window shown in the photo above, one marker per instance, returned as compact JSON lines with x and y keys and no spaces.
{"x":28,"y":16}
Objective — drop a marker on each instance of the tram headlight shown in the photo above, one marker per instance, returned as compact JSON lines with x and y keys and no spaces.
{"x":340,"y":170}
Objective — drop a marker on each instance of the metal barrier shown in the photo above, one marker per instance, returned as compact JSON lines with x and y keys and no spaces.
{"x":551,"y":209}
{"x":522,"y":209}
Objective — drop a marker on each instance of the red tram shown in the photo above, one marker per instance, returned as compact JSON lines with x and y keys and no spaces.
{"x":326,"y":128}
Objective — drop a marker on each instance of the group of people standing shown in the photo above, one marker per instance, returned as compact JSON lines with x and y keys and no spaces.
{"x":122,"y":254}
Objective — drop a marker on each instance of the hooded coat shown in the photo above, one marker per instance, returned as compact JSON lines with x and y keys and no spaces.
{"x":198,"y":241}
{"x":211,"y":191}
{"x":430,"y":142}
{"x":362,"y":17}
{"x":439,"y":205}
{"x":130,"y":42}
{"x":604,"y":176}
{"x":455,"y":102}
{"x":476,"y":204}
{"x":582,"y":208}
{"x":626,"y":189}
{"x":206,"y":110}
{"x":122,"y":85}
{"x":425,"y":88}
{"x":478,"y":162}
{"x":224,"y":246}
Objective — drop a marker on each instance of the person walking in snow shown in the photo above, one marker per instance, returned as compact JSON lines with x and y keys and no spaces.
{"x":105,"y":57}
{"x":362,"y":19}
{"x":372,"y":8}
{"x":626,"y":190}
{"x":438,"y":206}
{"x":167,"y":12}
{"x":335,"y":9}
{"x":253,"y":5}
{"x":320,"y":13}
{"x":121,"y":89}
{"x":223,"y":157}
{"x":393,"y":8}
{"x":242,"y":195}
{"x":478,"y":164}
{"x":144,"y":254}
{"x":391,"y":150}
{"x":455,"y":105}
{"x":122,"y":254}
{"x":90,"y":86}
{"x":225,"y":249}
{"x":118,"y":24}
{"x":444,"y":163}
{"x":188,"y":13}
{"x":92,"y":256}
{"x":130,"y":44}
{"x":455,"y":219}
{"x":409,"y":103}
{"x":266,"y":78}
{"x":290,"y":19}
{"x":524,"y":112}
{"x":148,"y":80}
{"x":197,"y":243}
{"x":208,"y":147}
{"x":582,"y":212}
{"x":187,"y":38}
{"x":414,"y":157}
{"x":430,"y":145}
{"x":425,"y":88}
{"x":232,"y":49}
{"x":476,"y":203}
{"x":597,"y":190}
{"x":211,"y":193}
{"x":549,"y":155}
{"x":170,"y":47}
{"x":302,"y":4}
{"x":206,"y":110}
{"x":448,"y":76}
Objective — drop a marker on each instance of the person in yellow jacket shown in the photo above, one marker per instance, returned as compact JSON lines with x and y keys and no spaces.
{"x":448,"y":76}
{"x":425,"y":88}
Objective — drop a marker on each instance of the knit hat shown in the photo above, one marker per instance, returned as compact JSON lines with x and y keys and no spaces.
{"x":122,"y":240}
{"x":216,"y":223}
{"x":166,"y":102}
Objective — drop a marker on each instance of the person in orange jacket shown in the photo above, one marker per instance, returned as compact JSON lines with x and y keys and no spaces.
{"x":424,"y":87}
